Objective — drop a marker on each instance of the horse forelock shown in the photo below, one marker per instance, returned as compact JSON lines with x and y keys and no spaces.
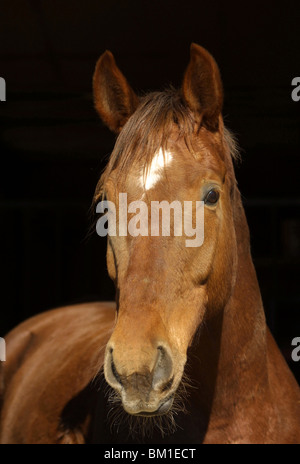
{"x":148,"y":131}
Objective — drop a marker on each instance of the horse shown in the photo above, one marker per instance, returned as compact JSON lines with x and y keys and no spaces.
{"x":184,"y":355}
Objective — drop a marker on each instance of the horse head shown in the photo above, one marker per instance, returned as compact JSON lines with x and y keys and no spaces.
{"x":172,"y":146}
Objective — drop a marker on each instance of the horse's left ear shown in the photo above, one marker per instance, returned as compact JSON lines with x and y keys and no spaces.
{"x":202,"y":87}
{"x":114,"y":99}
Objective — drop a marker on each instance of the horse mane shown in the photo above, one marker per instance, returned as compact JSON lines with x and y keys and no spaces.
{"x":149,"y":129}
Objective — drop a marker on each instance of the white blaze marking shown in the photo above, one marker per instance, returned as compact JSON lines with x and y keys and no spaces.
{"x":159,"y":161}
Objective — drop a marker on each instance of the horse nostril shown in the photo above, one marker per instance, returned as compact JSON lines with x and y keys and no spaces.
{"x":113,"y":368}
{"x":162,"y":370}
{"x":115,"y":372}
{"x":168,"y":385}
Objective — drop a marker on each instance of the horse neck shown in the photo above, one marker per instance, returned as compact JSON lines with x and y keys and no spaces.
{"x":229,"y":360}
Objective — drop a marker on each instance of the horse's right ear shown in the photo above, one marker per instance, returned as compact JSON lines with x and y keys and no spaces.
{"x":114,"y":99}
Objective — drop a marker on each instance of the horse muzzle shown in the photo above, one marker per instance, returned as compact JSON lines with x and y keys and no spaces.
{"x":145,"y":390}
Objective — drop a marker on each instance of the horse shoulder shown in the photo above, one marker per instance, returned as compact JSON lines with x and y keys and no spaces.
{"x":285,"y":396}
{"x":52,"y":359}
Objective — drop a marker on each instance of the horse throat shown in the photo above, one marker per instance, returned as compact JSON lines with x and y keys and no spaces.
{"x":228,"y":359}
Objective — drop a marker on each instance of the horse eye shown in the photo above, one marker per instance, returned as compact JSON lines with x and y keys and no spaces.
{"x":212,"y":197}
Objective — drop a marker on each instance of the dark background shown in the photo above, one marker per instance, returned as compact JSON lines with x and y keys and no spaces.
{"x":53,"y":146}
